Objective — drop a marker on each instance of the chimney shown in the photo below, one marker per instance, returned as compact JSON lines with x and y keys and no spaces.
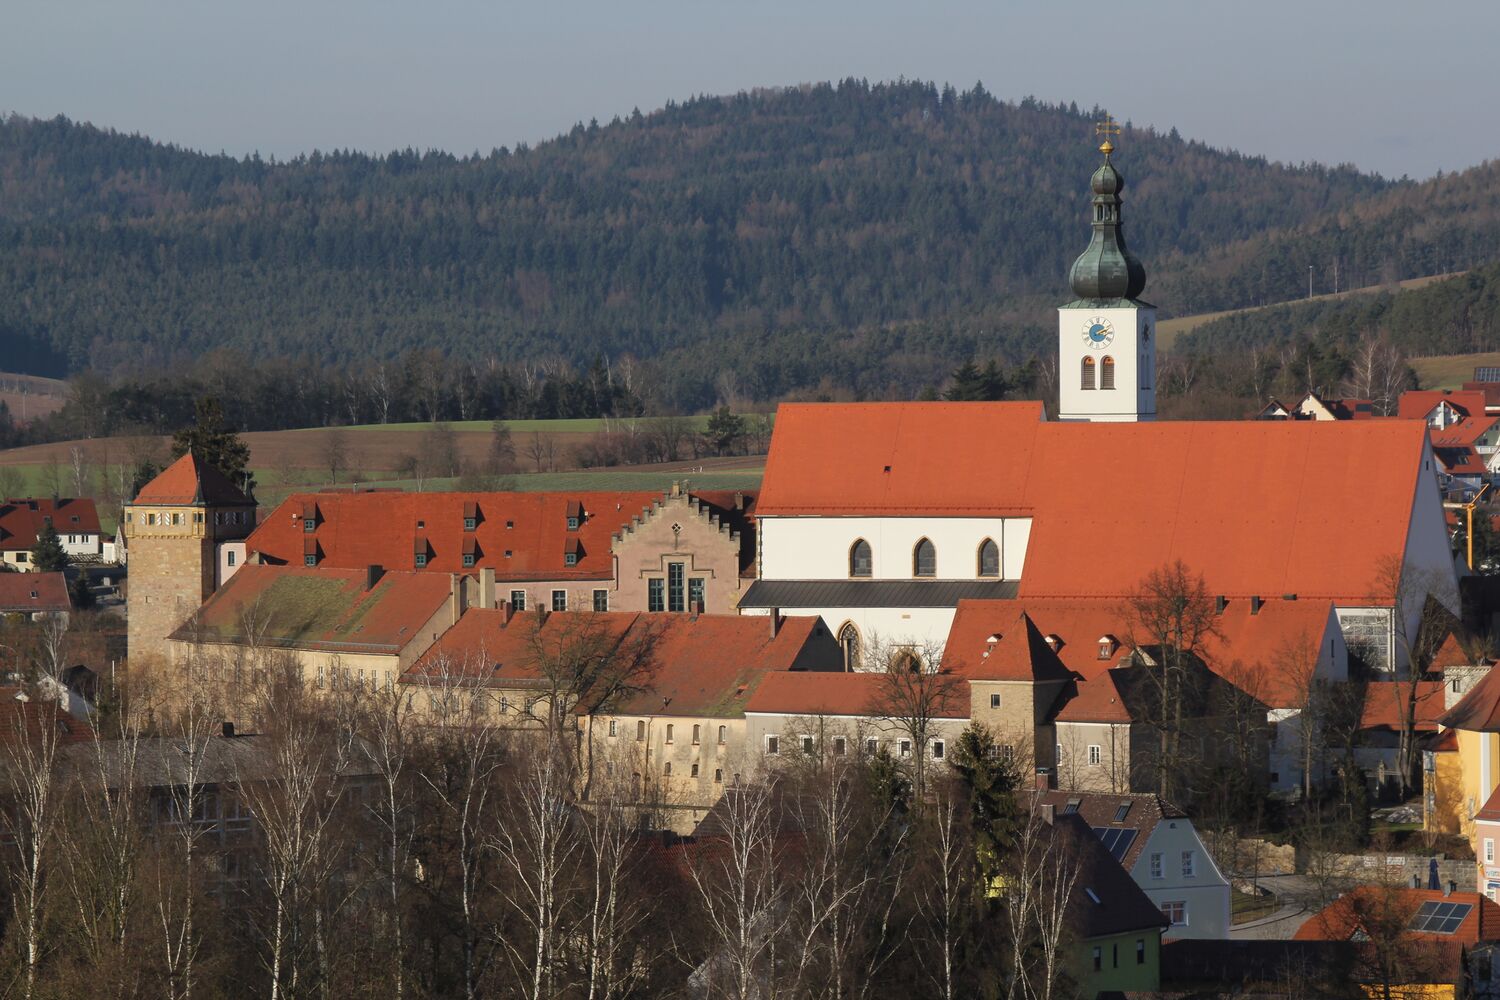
{"x":1416,"y":881}
{"x":1255,"y":603}
{"x":487,"y":587}
{"x":1450,"y":888}
{"x":775,"y":617}
{"x":1220,"y":603}
{"x":508,"y":612}
{"x":1043,"y":779}
{"x":373,"y":573}
{"x":1049,"y":813}
{"x":228,"y":730}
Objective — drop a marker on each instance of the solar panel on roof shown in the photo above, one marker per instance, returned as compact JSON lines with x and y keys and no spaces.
{"x":1439,"y":918}
{"x":1116,"y":841}
{"x":1486,"y":374}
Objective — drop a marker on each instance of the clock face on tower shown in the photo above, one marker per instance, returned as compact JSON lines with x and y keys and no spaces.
{"x":1098,"y":332}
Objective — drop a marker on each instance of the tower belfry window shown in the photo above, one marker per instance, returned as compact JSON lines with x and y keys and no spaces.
{"x":1107,"y":372}
{"x":1087,"y":374}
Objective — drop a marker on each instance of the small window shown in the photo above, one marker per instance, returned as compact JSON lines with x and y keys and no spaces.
{"x":906,"y":748}
{"x":559,"y":600}
{"x":469,"y":524}
{"x":1086,"y":379}
{"x":1121,"y":811}
{"x":773,"y":745}
{"x":150,"y":518}
{"x":640,"y":729}
{"x":989,"y":558}
{"x":518,"y":600}
{"x":1096,"y":753}
{"x":924,"y":559}
{"x":807,"y":745}
{"x":1158,"y":865}
{"x":723,"y":731}
{"x":505,"y":710}
{"x":1175,"y":912}
{"x":1107,"y":373}
{"x":718,"y":776}
{"x":611,"y":727}
{"x":695,"y":771}
{"x":872,"y":747}
{"x":601,"y":600}
{"x":421,"y":559}
{"x":1140,"y":951}
{"x":1188,"y":864}
{"x":656,"y":595}
{"x":468,"y":559}
{"x":1489,"y":850}
{"x":666,"y":769}
{"x":1008,"y":752}
{"x":229,"y":558}
{"x":840,"y":746}
{"x":570,"y":558}
{"x":860,"y":563}
{"x":310,"y":559}
{"x":939,"y":749}
{"x":670,"y":728}
{"x":696,"y":730}
{"x":309,"y":525}
{"x":695,"y":594}
{"x":572,"y":524}
{"x":1098,"y":958}
{"x":994,"y":701}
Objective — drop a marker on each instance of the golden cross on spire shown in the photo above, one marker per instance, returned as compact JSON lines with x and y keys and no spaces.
{"x":1108,"y":127}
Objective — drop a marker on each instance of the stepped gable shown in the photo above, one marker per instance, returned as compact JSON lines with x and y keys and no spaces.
{"x":729,"y":512}
{"x":993,"y":641}
{"x":190,"y":481}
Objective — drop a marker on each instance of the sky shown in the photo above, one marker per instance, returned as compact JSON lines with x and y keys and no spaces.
{"x":1392,"y":87}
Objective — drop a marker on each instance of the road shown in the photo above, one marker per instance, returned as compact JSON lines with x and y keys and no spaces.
{"x":1298,"y":899}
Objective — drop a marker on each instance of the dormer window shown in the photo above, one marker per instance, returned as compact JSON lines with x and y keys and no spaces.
{"x":471,"y":515}
{"x":310,"y":559}
{"x":572,"y":524}
{"x":570,"y":558}
{"x":575,"y":515}
{"x":572,"y":551}
{"x":309,"y":525}
{"x":469,"y":524}
{"x":1107,"y":646}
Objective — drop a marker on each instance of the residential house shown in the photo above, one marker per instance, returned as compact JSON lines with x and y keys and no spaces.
{"x":881,"y":517}
{"x":1387,"y":704}
{"x":1475,"y":723}
{"x":1318,"y":407}
{"x":664,"y":700}
{"x":34,"y":595}
{"x":1158,"y":845}
{"x":75,"y":520}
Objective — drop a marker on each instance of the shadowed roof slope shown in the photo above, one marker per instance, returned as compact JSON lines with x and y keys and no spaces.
{"x":1479,"y":710}
{"x":1099,"y":809}
{"x":319,"y":608}
{"x":29,"y":593}
{"x":189,"y":480}
{"x":1340,"y":919}
{"x":900,"y":459}
{"x":1019,"y":653}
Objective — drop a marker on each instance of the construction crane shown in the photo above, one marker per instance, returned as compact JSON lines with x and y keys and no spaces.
{"x":1469,"y":528}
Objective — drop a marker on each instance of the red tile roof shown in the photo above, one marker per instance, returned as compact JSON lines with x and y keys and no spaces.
{"x":1103,"y":698}
{"x":521,"y":536}
{"x":321,"y":608}
{"x":189,"y":480}
{"x":1384,"y":701}
{"x":1266,"y":653}
{"x":864,"y":694}
{"x":993,"y":641}
{"x":21,"y":520}
{"x":1478,"y":711}
{"x":1490,"y":811}
{"x":22,"y":713}
{"x":29,"y":593}
{"x":1245,"y":501}
{"x":706,"y":665}
{"x":1416,"y":404}
{"x":1339,"y":920}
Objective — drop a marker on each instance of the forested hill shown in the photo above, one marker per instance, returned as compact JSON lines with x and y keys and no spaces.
{"x":861,"y":236}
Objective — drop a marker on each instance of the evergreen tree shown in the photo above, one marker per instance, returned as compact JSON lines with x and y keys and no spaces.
{"x":47,"y":556}
{"x":79,"y":593}
{"x":213,"y":441}
{"x":990,"y":783}
{"x":724,"y":429}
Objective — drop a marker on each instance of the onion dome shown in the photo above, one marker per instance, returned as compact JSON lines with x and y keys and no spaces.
{"x":1106,"y":270}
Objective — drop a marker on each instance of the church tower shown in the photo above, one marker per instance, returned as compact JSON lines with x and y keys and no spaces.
{"x":1106,"y":360}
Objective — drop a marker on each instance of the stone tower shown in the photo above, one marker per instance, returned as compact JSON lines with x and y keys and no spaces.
{"x":172,"y":532}
{"x":1106,"y":360}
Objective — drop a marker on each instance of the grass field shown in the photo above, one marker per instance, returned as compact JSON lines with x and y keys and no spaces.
{"x":589,"y":425}
{"x":1449,"y":371}
{"x":1168,"y":330}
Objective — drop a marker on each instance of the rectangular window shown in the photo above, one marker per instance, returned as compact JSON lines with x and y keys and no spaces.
{"x":670,"y":727}
{"x":939,"y":749}
{"x":1187,"y":864}
{"x":559,"y":600}
{"x":695,"y":593}
{"x":611,"y":727}
{"x":718,"y":775}
{"x":468,"y":559}
{"x":229,"y":557}
{"x":697,"y":729}
{"x":601,"y":600}
{"x":309,"y":560}
{"x":1008,"y":752}
{"x":1096,"y":753}
{"x":807,"y":745}
{"x":906,"y":748}
{"x":1098,"y":958}
{"x":572,"y":524}
{"x":695,"y":770}
{"x":656,"y":595}
{"x":1140,"y":951}
{"x":309,"y":525}
{"x":723,"y":730}
{"x":994,"y":701}
{"x":468,"y":524}
{"x":570,"y":558}
{"x":150,"y":518}
{"x":840,"y":746}
{"x":676,"y":597}
{"x":1158,"y":865}
{"x":176,"y":518}
{"x":518,"y":600}
{"x":640,"y":729}
{"x":421,"y":559}
{"x":1176,"y":913}
{"x":1489,"y":850}
{"x":773,"y":744}
{"x":872,"y":747}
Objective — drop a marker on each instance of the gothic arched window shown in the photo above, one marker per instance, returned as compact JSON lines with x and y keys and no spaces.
{"x":849,"y":642}
{"x":1088,"y":373}
{"x":924,"y":559}
{"x":1107,"y":373}
{"x":860,"y":563}
{"x":989,"y":558}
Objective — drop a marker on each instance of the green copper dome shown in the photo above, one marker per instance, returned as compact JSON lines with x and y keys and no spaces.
{"x":1106,"y":270}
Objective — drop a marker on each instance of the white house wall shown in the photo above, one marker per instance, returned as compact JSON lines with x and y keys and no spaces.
{"x":923,"y":628}
{"x":817,"y":548}
{"x":1206,"y":892}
